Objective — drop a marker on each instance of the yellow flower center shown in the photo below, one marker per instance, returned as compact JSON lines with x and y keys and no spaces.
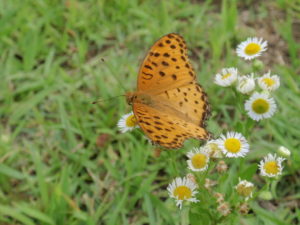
{"x":233,"y":145}
{"x":199,"y":161}
{"x":182,"y":192}
{"x":130,"y":121}
{"x":226,"y":76}
{"x":269,"y":82}
{"x":252,"y":49}
{"x":260,"y":106}
{"x":243,"y":190}
{"x":271,"y":167}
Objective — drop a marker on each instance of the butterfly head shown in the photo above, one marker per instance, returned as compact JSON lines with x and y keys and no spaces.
{"x":132,"y":97}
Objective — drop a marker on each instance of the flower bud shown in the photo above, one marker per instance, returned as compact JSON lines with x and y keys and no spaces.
{"x":213,"y":149}
{"x":258,"y":65}
{"x":283,"y":151}
{"x":209,"y":183}
{"x":243,"y":208}
{"x":219,"y":197}
{"x":244,"y":188}
{"x":224,"y":208}
{"x":265,"y":195}
{"x":246,"y":84}
{"x":192,"y":178}
{"x":222,"y":166}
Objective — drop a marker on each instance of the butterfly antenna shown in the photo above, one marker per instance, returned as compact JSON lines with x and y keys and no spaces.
{"x":103,"y":100}
{"x":112,"y":71}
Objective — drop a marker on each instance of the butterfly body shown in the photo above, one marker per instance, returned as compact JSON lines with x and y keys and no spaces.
{"x":169,"y":105}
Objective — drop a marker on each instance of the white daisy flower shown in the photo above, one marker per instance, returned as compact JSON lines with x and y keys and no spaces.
{"x":260,"y":106}
{"x":268,"y":82}
{"x":245,"y":188}
{"x":127,"y":122}
{"x":198,"y":159}
{"x":270,"y":166}
{"x":233,"y":145}
{"x":251,"y":48}
{"x":227,"y":77}
{"x":213,"y":149}
{"x":245,"y":84}
{"x":182,"y":189}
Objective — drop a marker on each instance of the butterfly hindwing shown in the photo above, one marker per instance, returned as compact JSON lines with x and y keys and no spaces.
{"x":191,"y":100}
{"x":165,"y":129}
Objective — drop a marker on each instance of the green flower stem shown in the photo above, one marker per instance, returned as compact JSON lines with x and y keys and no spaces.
{"x":202,"y":175}
{"x":242,"y":163}
{"x":273,"y":185}
{"x":249,"y":124}
{"x":268,"y":184}
{"x":238,"y":99}
{"x":172,"y":158}
{"x":257,"y":66}
{"x":264,"y":192}
{"x":184,"y":215}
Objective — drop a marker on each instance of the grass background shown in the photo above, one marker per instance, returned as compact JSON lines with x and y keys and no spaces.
{"x":62,"y":160}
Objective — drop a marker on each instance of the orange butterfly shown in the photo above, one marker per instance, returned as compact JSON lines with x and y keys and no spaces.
{"x":169,"y":105}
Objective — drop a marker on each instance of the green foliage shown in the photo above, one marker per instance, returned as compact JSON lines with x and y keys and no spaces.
{"x":54,"y":166}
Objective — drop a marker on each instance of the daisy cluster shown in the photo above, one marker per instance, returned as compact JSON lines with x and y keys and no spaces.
{"x":229,"y":145}
{"x":260,"y":105}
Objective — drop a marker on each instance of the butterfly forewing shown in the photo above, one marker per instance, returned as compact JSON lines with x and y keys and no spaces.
{"x":166,"y":65}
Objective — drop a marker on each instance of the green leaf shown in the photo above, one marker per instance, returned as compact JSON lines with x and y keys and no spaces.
{"x":10,"y":172}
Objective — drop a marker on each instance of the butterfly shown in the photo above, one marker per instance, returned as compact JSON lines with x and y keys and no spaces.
{"x":169,"y":105}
